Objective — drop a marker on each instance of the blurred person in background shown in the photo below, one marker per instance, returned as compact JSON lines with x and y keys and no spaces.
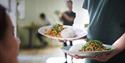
{"x":9,"y":46}
{"x":45,"y":23}
{"x":68,"y":17}
{"x":45,"y":20}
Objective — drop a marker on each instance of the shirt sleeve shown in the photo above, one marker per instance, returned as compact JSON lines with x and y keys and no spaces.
{"x":85,"y":4}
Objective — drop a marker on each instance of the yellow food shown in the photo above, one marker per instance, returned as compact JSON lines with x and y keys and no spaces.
{"x":93,"y":45}
{"x":55,"y":30}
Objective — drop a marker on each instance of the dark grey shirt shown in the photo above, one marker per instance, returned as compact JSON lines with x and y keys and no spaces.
{"x":67,"y":22}
{"x":107,"y":23}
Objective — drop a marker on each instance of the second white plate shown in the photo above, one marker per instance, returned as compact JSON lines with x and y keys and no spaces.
{"x":79,"y":33}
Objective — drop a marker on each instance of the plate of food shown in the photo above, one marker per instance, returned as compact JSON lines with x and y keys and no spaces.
{"x":90,"y":48}
{"x":61,"y":32}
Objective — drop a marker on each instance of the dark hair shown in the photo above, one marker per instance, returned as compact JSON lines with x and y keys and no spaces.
{"x":42,"y":15}
{"x":3,"y":22}
{"x":70,"y":1}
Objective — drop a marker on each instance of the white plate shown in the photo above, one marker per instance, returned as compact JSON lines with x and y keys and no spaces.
{"x":79,"y":33}
{"x":74,"y":50}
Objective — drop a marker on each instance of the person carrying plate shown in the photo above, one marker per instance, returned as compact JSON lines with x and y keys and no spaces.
{"x":68,"y":16}
{"x":107,"y":24}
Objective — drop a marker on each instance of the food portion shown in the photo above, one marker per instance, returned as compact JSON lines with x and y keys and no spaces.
{"x":93,"y":45}
{"x":68,"y":33}
{"x":59,"y":30}
{"x":55,"y":30}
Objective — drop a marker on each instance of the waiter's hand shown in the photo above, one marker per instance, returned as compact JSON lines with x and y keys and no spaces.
{"x":102,"y":58}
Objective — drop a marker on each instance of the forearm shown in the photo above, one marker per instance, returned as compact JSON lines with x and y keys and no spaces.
{"x":68,"y":18}
{"x":119,"y":47}
{"x":120,"y":44}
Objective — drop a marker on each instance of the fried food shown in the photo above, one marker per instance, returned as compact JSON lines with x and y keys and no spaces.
{"x":93,"y":45}
{"x":55,"y":30}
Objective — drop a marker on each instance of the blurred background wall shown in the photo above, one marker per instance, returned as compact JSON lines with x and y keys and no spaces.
{"x":33,"y":8}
